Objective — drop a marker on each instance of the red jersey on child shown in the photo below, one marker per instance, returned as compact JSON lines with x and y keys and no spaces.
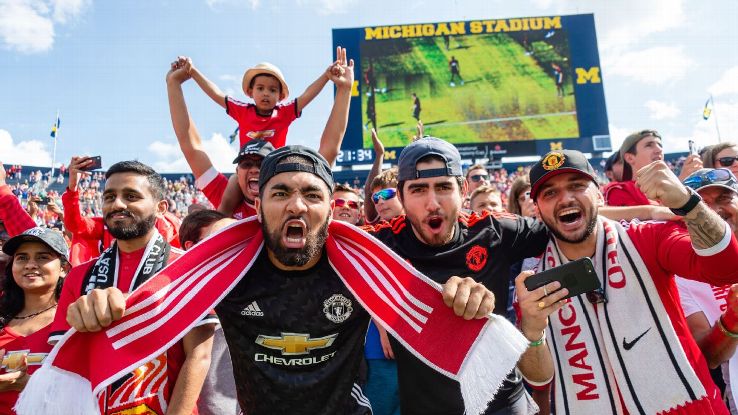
{"x":271,"y":128}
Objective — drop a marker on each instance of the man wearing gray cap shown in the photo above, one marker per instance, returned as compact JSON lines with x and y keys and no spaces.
{"x":436,"y":241}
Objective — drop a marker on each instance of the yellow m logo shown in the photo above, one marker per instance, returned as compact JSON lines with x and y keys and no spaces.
{"x":588,"y":75}
{"x":558,"y":145}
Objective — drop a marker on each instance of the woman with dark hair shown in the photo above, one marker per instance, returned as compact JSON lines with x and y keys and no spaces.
{"x":723,"y":155}
{"x":31,"y":287}
{"x":519,"y":201}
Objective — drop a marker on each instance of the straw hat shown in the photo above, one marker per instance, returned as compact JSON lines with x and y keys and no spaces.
{"x":268,"y":69}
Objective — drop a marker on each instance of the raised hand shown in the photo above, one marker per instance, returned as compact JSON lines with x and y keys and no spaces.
{"x":180,"y":70}
{"x":658,"y":182}
{"x":468,"y":298}
{"x":342,"y":71}
{"x":76,"y":170}
{"x":378,"y":146}
{"x":537,"y":305}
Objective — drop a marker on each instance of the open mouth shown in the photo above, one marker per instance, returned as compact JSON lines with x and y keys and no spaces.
{"x":254,"y":185}
{"x":570,"y":215}
{"x":294,"y":235}
{"x":344,"y":215}
{"x":435,"y":222}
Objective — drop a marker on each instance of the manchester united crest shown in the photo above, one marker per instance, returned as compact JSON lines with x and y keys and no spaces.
{"x":337,"y":308}
{"x":476,"y":258}
{"x":553,"y":160}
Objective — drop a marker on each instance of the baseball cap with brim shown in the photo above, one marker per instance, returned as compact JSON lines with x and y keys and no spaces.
{"x":612,"y":160}
{"x":705,"y":178}
{"x":628,"y":144}
{"x":51,"y":238}
{"x":423,"y":147}
{"x":256,"y":147}
{"x":317,"y":165}
{"x":558,"y":162}
{"x":265,"y":68}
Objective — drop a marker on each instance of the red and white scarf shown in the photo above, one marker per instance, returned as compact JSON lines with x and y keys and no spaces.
{"x":476,"y":353}
{"x":625,"y":348}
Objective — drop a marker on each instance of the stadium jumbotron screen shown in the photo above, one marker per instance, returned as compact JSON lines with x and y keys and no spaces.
{"x":517,"y":86}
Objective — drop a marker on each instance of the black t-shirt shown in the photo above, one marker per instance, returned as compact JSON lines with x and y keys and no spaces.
{"x":296,"y":341}
{"x":482,"y":248}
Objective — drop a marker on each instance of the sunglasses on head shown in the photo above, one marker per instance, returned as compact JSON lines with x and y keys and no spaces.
{"x":384,"y":194}
{"x":479,"y":177}
{"x":724,"y":176}
{"x":727,"y":161}
{"x":343,"y":202}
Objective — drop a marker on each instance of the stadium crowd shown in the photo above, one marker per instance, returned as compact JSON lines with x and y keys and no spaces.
{"x":283,"y":327}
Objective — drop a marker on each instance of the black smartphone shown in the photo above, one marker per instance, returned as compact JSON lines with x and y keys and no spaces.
{"x":96,"y":163}
{"x":42,"y":200}
{"x":577,"y":276}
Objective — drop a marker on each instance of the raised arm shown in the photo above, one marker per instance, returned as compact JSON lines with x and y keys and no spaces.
{"x":184,"y":128}
{"x":202,"y":81}
{"x":342,"y":74}
{"x":313,"y":90}
{"x":370,"y":211}
{"x":14,"y":217}
{"x":80,"y":226}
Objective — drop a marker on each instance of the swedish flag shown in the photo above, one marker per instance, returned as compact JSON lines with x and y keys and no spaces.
{"x":55,"y":127}
{"x":708,"y":109}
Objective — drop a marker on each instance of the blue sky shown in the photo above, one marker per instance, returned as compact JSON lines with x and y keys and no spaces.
{"x":102,"y":65}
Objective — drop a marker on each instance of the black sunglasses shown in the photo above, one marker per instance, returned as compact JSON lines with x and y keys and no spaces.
{"x":727,"y":161}
{"x":479,"y":177}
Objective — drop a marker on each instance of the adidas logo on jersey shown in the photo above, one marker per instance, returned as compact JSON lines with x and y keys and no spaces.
{"x":252,"y":310}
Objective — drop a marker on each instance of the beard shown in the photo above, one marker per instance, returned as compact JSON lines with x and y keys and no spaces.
{"x":137,"y":229}
{"x":588,"y":230}
{"x":294,"y":257}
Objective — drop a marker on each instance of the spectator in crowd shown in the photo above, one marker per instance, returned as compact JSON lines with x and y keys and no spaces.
{"x":384,"y":195}
{"x":346,"y":204}
{"x":712,"y":311}
{"x":477,"y":175}
{"x":15,"y":219}
{"x":519,"y":201}
{"x":218,"y":395}
{"x":485,"y":199}
{"x":640,"y":335}
{"x":31,"y":286}
{"x":638,"y":150}
{"x":614,"y":167}
{"x":723,"y":155}
{"x":133,"y":197}
{"x":4,"y":258}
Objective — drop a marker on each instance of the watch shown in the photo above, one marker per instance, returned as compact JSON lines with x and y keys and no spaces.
{"x":694,"y":199}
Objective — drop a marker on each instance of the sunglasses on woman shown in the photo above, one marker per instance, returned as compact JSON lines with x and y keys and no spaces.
{"x":343,"y":202}
{"x":727,"y":161}
{"x":384,"y":194}
{"x":721,"y":176}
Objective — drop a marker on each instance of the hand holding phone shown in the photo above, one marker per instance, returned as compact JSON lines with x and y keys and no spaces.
{"x":577,"y":276}
{"x":96,"y":163}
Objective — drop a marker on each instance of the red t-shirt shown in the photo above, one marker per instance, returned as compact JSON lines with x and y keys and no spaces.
{"x":251,"y":125}
{"x":625,"y":194}
{"x":34,"y":346}
{"x":213,"y":185}
{"x":124,"y":395}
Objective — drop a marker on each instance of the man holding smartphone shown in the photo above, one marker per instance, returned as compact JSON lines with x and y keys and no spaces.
{"x":625,"y":348}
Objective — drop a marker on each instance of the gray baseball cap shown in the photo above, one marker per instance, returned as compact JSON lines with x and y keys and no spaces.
{"x":270,"y":167}
{"x":408,"y":161}
{"x":50,"y":237}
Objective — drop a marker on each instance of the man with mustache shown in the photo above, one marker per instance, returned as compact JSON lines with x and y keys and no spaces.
{"x":626,"y":347}
{"x":133,"y":196}
{"x":295,"y":331}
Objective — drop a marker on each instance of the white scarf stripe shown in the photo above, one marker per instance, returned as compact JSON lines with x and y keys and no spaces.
{"x":368,"y":279}
{"x":381,"y":278}
{"x":428,"y":309}
{"x":170,"y":292}
{"x":172,"y":311}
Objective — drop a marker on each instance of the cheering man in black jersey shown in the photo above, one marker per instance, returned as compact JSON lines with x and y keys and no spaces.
{"x":438,"y":243}
{"x":294,"y":329}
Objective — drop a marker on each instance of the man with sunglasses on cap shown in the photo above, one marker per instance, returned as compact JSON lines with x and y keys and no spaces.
{"x":624,"y":348}
{"x":638,"y":150}
{"x":712,"y":311}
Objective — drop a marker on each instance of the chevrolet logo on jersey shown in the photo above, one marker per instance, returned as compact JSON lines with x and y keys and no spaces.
{"x":295,"y":343}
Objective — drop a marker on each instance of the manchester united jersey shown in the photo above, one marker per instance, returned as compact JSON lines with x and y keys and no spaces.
{"x":483,"y":248}
{"x":296,"y":341}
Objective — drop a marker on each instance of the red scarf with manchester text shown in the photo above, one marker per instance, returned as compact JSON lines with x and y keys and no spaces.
{"x":476,"y":353}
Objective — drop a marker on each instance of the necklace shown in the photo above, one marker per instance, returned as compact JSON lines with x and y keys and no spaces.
{"x":34,"y":314}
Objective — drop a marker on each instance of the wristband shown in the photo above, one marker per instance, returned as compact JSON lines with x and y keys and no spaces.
{"x":543,"y":339}
{"x":725,"y":330}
